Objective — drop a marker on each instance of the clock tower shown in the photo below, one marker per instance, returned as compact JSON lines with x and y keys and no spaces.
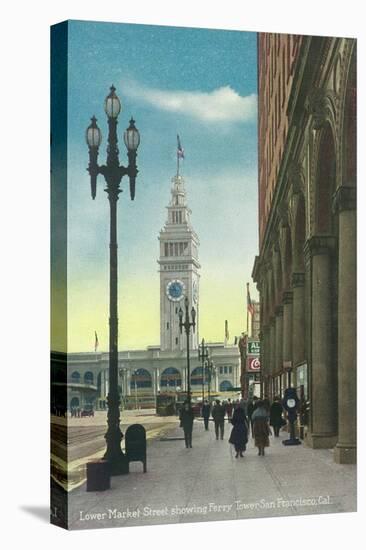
{"x":179,"y":266}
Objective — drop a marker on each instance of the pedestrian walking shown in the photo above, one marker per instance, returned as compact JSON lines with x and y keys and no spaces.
{"x":239,"y":433}
{"x":243,"y":405}
{"x":206,"y":411}
{"x":229,"y":410}
{"x":275,"y":416}
{"x":252,"y":405}
{"x":218,"y":414}
{"x":261,"y":429}
{"x":250,"y":409}
{"x":186,"y":418}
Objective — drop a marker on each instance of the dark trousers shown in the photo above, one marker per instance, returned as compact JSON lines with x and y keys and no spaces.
{"x":276,"y":430}
{"x":188,"y":437}
{"x":205,"y":420}
{"x":219,"y":426}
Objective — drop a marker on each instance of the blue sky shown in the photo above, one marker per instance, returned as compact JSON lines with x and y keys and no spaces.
{"x":196,"y":82}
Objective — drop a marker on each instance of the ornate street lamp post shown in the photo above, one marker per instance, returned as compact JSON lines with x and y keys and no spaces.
{"x":187,"y":324}
{"x":113,"y":173}
{"x":211,"y":369}
{"x":203,"y":357}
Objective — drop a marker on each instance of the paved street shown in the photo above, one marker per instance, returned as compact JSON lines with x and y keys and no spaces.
{"x":208,"y":483}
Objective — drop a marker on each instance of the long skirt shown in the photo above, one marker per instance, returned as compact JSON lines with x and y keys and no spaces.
{"x":261,"y":432}
{"x":239,"y":437}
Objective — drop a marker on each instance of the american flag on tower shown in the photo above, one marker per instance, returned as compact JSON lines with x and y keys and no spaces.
{"x":96,"y":344}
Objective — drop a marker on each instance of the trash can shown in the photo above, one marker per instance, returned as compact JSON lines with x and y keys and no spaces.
{"x":98,"y":476}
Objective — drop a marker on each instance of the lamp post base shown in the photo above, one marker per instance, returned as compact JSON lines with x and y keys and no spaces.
{"x":117,"y":463}
{"x":291,"y":441}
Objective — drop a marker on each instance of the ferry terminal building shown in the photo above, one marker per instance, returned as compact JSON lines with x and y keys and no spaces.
{"x":145,"y":373}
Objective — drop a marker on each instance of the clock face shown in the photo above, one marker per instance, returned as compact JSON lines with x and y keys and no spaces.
{"x":175,"y":290}
{"x":195,"y":292}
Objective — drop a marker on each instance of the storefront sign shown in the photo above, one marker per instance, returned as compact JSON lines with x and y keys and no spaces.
{"x":253,"y":364}
{"x":254,"y":348}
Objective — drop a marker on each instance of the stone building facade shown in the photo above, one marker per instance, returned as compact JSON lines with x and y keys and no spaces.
{"x":306,"y":268}
{"x":145,"y":373}
{"x":255,"y":320}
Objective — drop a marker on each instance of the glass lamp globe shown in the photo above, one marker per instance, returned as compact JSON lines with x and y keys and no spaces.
{"x":93,"y":134}
{"x":131,"y":136}
{"x":112,"y":104}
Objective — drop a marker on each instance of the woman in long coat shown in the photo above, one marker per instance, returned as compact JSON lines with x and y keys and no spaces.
{"x":261,"y":428}
{"x":275,"y":416}
{"x":239,"y":433}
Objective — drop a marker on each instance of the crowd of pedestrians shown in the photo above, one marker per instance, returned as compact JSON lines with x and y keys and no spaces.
{"x":255,"y":416}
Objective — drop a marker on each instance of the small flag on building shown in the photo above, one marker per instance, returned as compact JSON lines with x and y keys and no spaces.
{"x":96,"y":344}
{"x":250,"y":304}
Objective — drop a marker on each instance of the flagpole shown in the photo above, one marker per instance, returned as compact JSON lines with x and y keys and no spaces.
{"x":180,"y":153}
{"x":247,"y":310}
{"x":177,"y":155}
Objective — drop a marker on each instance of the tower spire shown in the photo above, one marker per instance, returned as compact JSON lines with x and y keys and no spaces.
{"x":179,"y":266}
{"x":180,"y":153}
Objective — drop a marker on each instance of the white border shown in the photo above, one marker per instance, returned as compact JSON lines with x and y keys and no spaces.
{"x":25,"y":266}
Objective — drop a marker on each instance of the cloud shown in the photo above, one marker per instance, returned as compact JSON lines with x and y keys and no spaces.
{"x":221,"y":105}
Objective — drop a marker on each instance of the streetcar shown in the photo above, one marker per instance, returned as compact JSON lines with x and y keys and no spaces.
{"x":166,"y":404}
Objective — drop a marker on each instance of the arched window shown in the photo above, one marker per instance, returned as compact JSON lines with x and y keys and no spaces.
{"x":226,"y":385}
{"x":140,"y":378}
{"x":196,"y":376}
{"x":88,"y":378}
{"x":75,"y":377}
{"x":170,"y":378}
{"x":74,"y":402}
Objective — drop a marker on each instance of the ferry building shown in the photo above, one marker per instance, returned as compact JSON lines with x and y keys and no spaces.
{"x":144,"y":373}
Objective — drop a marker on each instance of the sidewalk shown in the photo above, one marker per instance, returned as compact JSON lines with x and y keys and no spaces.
{"x":208,"y":483}
{"x":76,"y":441}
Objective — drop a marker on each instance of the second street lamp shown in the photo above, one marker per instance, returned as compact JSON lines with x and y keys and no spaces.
{"x":203,"y":357}
{"x":187,"y":324}
{"x":211,"y":369}
{"x":113,"y":173}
